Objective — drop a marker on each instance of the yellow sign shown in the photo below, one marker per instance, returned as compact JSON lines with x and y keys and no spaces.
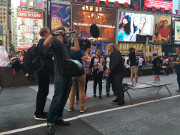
{"x":126,"y":46}
{"x":156,"y":48}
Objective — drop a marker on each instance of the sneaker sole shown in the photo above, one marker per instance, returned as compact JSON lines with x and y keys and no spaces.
{"x":39,"y":118}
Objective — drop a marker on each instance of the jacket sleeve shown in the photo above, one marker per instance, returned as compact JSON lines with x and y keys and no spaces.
{"x":116,"y":59}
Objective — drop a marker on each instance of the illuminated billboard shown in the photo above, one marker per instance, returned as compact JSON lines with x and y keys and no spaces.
{"x":166,"y":4}
{"x":29,"y":24}
{"x":83,"y":16}
{"x":60,"y":16}
{"x":162,"y":29}
{"x":177,"y":31}
{"x":120,"y":1}
{"x":132,"y":24}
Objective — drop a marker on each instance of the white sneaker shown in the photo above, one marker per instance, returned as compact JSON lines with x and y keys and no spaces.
{"x":70,"y":110}
{"x":82,"y":111}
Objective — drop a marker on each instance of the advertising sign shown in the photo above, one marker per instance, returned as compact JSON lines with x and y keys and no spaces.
{"x":105,"y":19}
{"x":177,"y":30}
{"x":162,"y":30}
{"x":126,"y":46}
{"x":120,"y":1}
{"x":166,"y":4}
{"x":131,"y":24}
{"x":25,"y":2}
{"x":60,"y":16}
{"x":29,"y":24}
{"x":156,"y":48}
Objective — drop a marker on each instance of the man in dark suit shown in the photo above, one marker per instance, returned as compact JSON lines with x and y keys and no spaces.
{"x":116,"y":70}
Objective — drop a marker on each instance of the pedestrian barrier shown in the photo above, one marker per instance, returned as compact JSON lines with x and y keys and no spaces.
{"x":145,"y":85}
{"x":9,"y":78}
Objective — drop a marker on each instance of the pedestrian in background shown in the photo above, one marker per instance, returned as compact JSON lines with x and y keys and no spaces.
{"x":109,"y":79}
{"x":87,"y":71}
{"x":116,"y":69}
{"x":4,"y":57}
{"x":177,"y":63}
{"x":97,"y":67}
{"x":22,"y":65}
{"x":156,"y":66}
{"x":78,"y":82}
{"x":133,"y":63}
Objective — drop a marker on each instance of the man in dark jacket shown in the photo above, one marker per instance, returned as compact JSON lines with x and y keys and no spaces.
{"x":43,"y":75}
{"x":116,"y":70}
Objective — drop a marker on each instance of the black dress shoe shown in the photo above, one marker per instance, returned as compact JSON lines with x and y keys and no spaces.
{"x":61,"y":122}
{"x":50,"y":129}
{"x":107,"y":95}
{"x":115,"y":101}
{"x":120,"y":103}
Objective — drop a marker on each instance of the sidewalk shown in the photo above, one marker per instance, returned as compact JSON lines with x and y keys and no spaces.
{"x":17,"y":107}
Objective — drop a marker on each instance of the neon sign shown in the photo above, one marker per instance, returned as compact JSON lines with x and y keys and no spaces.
{"x":136,"y":6}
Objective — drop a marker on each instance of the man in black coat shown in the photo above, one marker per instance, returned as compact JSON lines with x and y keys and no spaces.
{"x":116,"y":70}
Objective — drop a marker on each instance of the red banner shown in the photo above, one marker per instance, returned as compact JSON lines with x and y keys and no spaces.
{"x":29,"y":14}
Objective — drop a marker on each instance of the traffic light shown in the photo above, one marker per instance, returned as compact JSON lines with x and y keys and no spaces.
{"x":4,"y":44}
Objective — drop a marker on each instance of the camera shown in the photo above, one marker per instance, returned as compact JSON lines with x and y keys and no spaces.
{"x":84,"y":44}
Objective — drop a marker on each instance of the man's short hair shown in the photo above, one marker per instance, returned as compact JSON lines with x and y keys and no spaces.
{"x":61,"y":28}
{"x":131,"y":49}
{"x":111,"y":44}
{"x":43,"y":30}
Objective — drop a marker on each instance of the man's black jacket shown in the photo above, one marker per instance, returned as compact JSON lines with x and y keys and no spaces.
{"x":116,"y":62}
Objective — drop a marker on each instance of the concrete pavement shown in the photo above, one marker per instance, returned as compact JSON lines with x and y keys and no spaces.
{"x":102,"y":117}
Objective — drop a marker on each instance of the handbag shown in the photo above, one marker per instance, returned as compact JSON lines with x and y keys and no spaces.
{"x":72,"y":67}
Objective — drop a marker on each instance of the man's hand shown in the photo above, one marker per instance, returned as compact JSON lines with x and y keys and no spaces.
{"x":60,"y":31}
{"x":103,"y":60}
{"x":108,"y":72}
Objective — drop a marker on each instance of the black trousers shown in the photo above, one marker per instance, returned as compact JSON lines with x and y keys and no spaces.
{"x":118,"y":80}
{"x":87,"y":79}
{"x":43,"y":91}
{"x":97,"y":76}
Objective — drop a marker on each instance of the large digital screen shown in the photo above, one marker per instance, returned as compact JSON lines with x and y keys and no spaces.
{"x":131,"y":24}
{"x":177,"y":30}
{"x":162,"y":29}
{"x":105,"y":19}
{"x":167,"y":4}
{"x":60,"y":16}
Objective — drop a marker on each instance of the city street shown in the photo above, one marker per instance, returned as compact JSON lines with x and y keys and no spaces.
{"x":150,"y":114}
